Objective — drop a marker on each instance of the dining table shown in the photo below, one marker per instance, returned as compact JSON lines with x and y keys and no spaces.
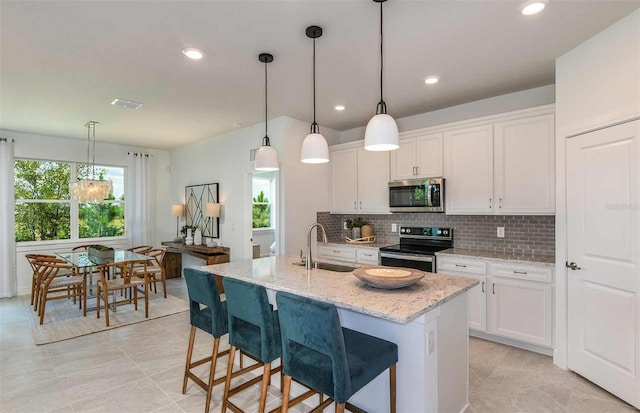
{"x":86,"y":265}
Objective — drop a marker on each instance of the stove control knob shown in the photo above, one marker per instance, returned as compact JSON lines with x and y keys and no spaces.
{"x":439,"y":232}
{"x":402,"y":230}
{"x":445,"y":232}
{"x":408,"y":230}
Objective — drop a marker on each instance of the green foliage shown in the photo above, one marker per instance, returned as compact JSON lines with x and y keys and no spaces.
{"x":357,"y":222}
{"x":40,"y":221}
{"x":261,"y":211}
{"x":183,"y":230}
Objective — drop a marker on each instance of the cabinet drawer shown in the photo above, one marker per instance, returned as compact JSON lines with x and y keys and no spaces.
{"x":460,"y":265}
{"x":522,"y":272}
{"x":367,"y":256}
{"x":337,"y":253}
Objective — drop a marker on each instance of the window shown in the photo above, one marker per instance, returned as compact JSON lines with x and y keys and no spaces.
{"x":262,"y":199}
{"x":45,"y":212}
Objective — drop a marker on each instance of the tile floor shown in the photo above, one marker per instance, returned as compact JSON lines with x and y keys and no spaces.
{"x":139,"y":368}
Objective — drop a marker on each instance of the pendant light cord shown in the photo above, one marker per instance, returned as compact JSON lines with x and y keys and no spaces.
{"x":266,"y":83}
{"x":93,"y":163}
{"x":314,"y":125}
{"x":382,"y":107}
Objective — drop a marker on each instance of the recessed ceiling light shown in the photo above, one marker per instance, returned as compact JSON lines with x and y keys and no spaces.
{"x":193,"y":53}
{"x":339,"y":107}
{"x":532,"y":7}
{"x":432,"y":80}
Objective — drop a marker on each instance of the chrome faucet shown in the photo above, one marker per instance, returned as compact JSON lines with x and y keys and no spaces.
{"x":309,"y":262}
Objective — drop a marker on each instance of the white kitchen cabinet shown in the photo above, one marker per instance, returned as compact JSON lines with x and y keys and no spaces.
{"x":368,"y":256}
{"x":502,"y":168}
{"x":521,"y":310}
{"x":419,"y":157}
{"x":359,"y":181}
{"x":348,"y":253}
{"x":513,"y":300}
{"x":524,"y":181}
{"x":468,"y":169}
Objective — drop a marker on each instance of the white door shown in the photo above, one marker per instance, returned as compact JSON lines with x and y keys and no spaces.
{"x":344,"y":183}
{"x":403,"y":161}
{"x":429,"y":156}
{"x":603,"y":223}
{"x":373,"y":181}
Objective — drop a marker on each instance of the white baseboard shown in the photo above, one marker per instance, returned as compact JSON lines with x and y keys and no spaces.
{"x":513,"y":343}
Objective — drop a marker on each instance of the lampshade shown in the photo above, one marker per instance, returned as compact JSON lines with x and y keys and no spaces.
{"x":381,"y":133}
{"x":177,"y":210}
{"x":213,"y":210}
{"x":315,"y":149}
{"x":90,"y":190}
{"x":266,"y":159}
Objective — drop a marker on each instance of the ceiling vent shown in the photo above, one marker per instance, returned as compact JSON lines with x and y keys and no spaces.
{"x":128,"y":104}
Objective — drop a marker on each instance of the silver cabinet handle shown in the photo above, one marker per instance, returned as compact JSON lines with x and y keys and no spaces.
{"x":413,"y":170}
{"x":417,"y":170}
{"x":520,"y":272}
{"x":355,"y":205}
{"x":482,"y":286}
{"x":499,"y":202}
{"x":460,"y":265}
{"x":360,"y":204}
{"x":490,"y":203}
{"x":494,"y":288}
{"x":336,"y":252}
{"x":573,"y":266}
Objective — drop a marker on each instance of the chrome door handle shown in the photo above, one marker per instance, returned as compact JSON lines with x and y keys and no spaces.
{"x":572,"y":265}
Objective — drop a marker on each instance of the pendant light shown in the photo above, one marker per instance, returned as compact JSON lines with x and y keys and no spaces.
{"x":382,"y":132}
{"x":266,"y":156}
{"x":91,"y":190}
{"x":314,"y":146}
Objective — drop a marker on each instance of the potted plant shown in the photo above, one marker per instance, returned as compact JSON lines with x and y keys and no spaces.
{"x":355,"y":225}
{"x":185,"y":228}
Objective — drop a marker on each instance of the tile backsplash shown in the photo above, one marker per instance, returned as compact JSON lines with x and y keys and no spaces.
{"x":524,"y":234}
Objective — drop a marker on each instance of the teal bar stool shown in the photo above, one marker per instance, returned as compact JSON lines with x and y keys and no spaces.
{"x":208,"y":313}
{"x":254,"y":329}
{"x":319,"y":353}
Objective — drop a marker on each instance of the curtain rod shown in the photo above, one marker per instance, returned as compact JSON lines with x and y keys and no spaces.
{"x":6,"y":140}
{"x":146,"y":155}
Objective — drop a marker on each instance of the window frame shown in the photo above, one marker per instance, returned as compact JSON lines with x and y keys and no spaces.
{"x":74,"y":207}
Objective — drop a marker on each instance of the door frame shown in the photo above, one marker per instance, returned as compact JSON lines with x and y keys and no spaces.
{"x":248,"y":214}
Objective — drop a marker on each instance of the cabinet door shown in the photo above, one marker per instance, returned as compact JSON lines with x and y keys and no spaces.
{"x":367,"y":256}
{"x":524,"y":166}
{"x":373,"y":181}
{"x":429,"y":155}
{"x":521,"y":310}
{"x":468,"y":166}
{"x":344,"y":186}
{"x":477,"y":305}
{"x":403,"y":161}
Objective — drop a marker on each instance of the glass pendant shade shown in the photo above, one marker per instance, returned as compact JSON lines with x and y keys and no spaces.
{"x":91,"y":190}
{"x":267,"y":159}
{"x":381,"y":133}
{"x":315,"y":149}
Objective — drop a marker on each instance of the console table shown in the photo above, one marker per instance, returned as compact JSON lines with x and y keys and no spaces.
{"x":173,"y":257}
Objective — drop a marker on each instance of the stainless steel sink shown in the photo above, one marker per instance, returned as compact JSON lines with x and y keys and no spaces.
{"x":329,"y":267}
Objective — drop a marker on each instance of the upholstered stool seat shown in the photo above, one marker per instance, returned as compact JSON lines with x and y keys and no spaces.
{"x":253,"y":328}
{"x":319,"y":353}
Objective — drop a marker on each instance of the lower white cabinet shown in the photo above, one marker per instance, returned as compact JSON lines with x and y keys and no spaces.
{"x":347,"y":253}
{"x":513,"y":300}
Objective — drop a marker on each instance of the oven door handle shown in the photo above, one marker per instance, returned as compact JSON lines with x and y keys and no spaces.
{"x":406,"y":257}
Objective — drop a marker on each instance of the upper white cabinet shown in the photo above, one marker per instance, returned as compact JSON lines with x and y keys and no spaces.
{"x":419,"y":157}
{"x":524,"y":165}
{"x":468,"y":170}
{"x":359,"y":181}
{"x":503,"y":168}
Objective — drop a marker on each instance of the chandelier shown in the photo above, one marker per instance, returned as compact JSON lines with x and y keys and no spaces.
{"x":91,"y":190}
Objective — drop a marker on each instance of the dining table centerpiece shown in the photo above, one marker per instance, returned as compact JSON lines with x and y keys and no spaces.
{"x":100,"y":252}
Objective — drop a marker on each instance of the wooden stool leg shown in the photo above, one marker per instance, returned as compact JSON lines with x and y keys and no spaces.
{"x":212,"y":372}
{"x":339,"y":407}
{"x":227,"y":381}
{"x":285,"y":394}
{"x":392,"y":388}
{"x":106,"y":306}
{"x":266,"y":379}
{"x":192,"y":337}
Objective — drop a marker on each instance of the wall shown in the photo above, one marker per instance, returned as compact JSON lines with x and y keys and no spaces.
{"x":303,"y":189}
{"x":66,"y":149}
{"x":523,"y":234}
{"x":598,"y":84}
{"x":513,"y":101}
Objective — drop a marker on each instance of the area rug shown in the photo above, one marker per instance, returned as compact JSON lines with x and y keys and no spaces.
{"x":63,"y":320}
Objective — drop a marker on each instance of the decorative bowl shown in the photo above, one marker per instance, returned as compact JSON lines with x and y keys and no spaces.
{"x":388,"y":278}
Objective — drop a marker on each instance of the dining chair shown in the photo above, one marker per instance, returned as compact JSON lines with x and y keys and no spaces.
{"x":155,"y":269}
{"x":35,"y":279}
{"x":122,"y":278}
{"x":54,"y":277}
{"x":81,"y":247}
{"x":141,"y":249}
{"x":254,"y":329}
{"x":321,"y":354}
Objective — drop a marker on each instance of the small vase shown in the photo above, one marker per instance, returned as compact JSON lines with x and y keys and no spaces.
{"x":356,"y":233}
{"x":189,"y":239}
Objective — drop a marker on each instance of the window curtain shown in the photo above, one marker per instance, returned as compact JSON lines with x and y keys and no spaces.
{"x":8,"y":275}
{"x":140,"y":185}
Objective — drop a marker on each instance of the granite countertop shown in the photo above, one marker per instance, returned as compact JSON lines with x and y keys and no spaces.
{"x":344,"y":290}
{"x":351,"y":244}
{"x":546,"y":260}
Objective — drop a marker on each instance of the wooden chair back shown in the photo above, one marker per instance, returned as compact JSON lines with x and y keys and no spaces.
{"x":125,"y":270}
{"x":141,"y":249}
{"x":81,"y":247}
{"x":158,"y":255}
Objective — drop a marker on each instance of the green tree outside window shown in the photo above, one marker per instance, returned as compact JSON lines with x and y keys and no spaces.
{"x":261,"y":211}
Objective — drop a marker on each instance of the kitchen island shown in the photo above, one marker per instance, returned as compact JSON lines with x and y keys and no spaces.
{"x":427,"y":320}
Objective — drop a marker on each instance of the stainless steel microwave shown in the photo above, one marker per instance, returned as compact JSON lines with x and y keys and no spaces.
{"x":417,"y":195}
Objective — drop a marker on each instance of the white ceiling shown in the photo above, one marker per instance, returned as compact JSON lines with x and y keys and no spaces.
{"x":63,"y":62}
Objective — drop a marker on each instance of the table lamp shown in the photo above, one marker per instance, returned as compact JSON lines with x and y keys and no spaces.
{"x":177,"y":210}
{"x":212,"y":211}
